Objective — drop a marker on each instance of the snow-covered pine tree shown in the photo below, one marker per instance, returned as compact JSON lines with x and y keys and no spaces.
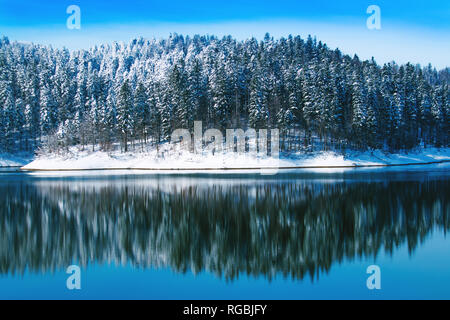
{"x":124,"y":109}
{"x":142,"y":112}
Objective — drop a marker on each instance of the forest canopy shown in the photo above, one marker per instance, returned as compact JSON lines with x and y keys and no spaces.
{"x":144,"y":90}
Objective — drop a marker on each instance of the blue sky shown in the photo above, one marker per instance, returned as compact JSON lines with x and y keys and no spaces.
{"x":415,"y":31}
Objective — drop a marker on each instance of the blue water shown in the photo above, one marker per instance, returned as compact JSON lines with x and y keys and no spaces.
{"x":142,"y":255}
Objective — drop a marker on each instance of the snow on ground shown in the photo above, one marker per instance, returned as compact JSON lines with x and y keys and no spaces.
{"x":7,"y":160}
{"x":170,"y":159}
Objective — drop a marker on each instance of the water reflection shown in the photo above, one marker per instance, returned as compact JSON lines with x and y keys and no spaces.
{"x":228,"y":227}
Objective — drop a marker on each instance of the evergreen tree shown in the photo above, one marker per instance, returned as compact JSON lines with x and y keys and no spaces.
{"x":124,"y":109}
{"x":142,"y":110}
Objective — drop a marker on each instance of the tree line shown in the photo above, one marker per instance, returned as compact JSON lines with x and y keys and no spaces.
{"x":139,"y":93}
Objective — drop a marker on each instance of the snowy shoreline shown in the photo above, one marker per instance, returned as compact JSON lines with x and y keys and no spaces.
{"x":182,"y":161}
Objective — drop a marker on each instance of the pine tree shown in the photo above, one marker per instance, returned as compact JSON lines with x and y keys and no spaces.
{"x":124,"y":109}
{"x":359,"y":111}
{"x":258,"y":108}
{"x":142,"y":110}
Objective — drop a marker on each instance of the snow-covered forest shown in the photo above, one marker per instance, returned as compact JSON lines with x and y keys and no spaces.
{"x":140,"y":92}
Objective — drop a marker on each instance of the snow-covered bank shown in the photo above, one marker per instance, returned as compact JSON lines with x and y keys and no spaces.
{"x":7,"y":160}
{"x":176,"y":160}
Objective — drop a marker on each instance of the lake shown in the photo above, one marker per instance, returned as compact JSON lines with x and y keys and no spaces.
{"x":295,"y":235}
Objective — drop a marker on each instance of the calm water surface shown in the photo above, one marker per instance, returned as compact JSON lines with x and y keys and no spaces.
{"x":296,"y":235}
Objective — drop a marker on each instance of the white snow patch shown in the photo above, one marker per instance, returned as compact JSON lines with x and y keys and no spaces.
{"x":168,"y":159}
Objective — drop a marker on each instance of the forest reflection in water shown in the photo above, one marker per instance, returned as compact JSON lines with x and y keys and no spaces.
{"x":259,"y":227}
